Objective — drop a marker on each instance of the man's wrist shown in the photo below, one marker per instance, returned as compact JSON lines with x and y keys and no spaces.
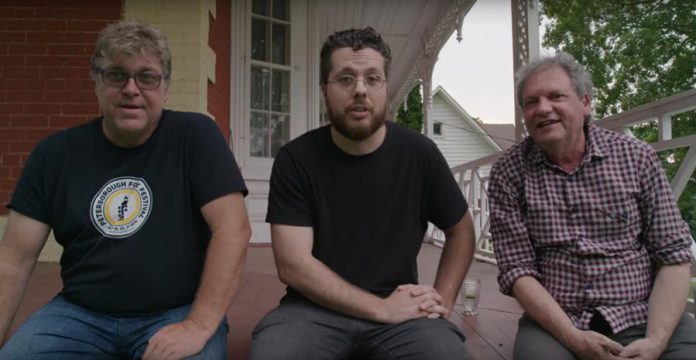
{"x":196,"y":324}
{"x":659,"y":342}
{"x":380,"y":311}
{"x":571,"y":337}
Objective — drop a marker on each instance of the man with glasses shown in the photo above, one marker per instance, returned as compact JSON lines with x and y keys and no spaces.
{"x":586,"y":232}
{"x":349,"y":205}
{"x":148,"y":205}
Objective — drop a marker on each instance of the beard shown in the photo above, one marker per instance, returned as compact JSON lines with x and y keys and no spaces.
{"x":354,"y":129}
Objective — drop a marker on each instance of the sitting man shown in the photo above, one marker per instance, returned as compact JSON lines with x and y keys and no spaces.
{"x":148,"y":205}
{"x":349,"y":205}
{"x":586,"y":232}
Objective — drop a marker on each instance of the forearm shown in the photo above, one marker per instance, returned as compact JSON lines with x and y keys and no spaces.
{"x":319,"y":283}
{"x":667,"y":302}
{"x":538,"y":303}
{"x":221,"y":276}
{"x":455,"y":260}
{"x":13,"y":282}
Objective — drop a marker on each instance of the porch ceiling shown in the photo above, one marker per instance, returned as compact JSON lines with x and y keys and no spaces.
{"x":415,"y":30}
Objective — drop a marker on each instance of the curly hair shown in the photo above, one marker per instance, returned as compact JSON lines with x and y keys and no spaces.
{"x":356,"y":39}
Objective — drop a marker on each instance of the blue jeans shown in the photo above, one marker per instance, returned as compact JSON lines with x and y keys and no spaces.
{"x":63,"y":330}
{"x":300,"y":329}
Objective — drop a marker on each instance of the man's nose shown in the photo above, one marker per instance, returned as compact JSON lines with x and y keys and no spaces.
{"x":544,"y":105}
{"x":131,"y":87}
{"x":360,"y":88}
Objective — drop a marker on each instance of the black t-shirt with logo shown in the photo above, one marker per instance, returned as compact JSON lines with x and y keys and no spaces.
{"x":369,"y":213}
{"x":129,"y":219}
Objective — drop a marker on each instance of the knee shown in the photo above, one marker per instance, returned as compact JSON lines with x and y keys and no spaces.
{"x":439,"y":339}
{"x":533,"y":342}
{"x":279,"y":342}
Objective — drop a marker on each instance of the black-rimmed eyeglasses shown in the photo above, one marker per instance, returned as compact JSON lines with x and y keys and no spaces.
{"x":145,"y":80}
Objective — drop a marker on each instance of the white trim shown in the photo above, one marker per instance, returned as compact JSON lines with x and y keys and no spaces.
{"x":238,"y":81}
{"x":314,"y":96}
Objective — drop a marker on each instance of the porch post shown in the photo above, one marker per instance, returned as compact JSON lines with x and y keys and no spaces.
{"x":427,"y":86}
{"x":525,"y":46}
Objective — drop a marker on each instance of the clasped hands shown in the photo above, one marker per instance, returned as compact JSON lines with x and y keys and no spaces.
{"x":592,"y":345}
{"x":411,"y":301}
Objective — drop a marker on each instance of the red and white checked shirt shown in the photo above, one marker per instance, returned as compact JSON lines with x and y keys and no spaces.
{"x":591,"y":237}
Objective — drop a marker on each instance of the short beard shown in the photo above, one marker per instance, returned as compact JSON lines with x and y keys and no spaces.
{"x":355,"y":133}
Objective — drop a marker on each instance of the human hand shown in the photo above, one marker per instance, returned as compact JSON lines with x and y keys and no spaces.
{"x":590,"y":345}
{"x":434,"y":307}
{"x":176,"y":341}
{"x":644,"y":349}
{"x":401,"y":305}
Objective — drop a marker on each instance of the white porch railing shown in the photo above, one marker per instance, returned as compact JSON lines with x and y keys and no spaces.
{"x":474,"y":184}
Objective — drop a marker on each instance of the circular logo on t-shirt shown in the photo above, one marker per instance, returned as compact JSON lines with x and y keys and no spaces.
{"x":121,"y":206}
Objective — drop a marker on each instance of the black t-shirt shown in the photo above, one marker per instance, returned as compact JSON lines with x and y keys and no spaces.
{"x":129,"y":218}
{"x":369,"y":213}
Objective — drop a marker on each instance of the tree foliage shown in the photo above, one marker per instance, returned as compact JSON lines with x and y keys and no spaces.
{"x":412,"y":116}
{"x":638,"y":51}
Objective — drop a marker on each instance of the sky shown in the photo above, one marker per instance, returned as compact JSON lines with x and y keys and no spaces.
{"x":478,"y":72}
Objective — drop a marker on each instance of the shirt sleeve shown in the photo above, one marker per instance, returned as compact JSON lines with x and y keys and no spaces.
{"x":214,"y":171}
{"x":288,"y":202}
{"x":513,"y":249}
{"x":665,"y":233}
{"x":29,"y":197}
{"x":446,"y":202}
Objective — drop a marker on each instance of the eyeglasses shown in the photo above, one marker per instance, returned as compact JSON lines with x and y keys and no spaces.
{"x":372,"y":82}
{"x":119,"y":77}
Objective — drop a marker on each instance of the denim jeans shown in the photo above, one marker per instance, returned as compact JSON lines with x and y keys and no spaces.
{"x":62,"y":330}
{"x":299,"y":329}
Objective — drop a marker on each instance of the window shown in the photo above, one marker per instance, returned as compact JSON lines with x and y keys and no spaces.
{"x":437,"y":128}
{"x":270,"y":77}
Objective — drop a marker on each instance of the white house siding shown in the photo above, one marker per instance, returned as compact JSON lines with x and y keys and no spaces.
{"x":460,"y":142}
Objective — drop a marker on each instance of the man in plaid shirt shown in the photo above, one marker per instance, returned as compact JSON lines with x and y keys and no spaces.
{"x":586,"y":232}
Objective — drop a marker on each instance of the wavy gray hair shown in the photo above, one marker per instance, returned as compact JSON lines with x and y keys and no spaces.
{"x":127,"y":37}
{"x":579,"y":76}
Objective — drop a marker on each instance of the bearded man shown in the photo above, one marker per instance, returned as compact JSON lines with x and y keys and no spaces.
{"x":349,"y":205}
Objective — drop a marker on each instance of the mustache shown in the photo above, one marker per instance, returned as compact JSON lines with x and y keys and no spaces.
{"x":360,"y":104}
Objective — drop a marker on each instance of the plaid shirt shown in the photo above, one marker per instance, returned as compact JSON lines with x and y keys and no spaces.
{"x":591,"y":237}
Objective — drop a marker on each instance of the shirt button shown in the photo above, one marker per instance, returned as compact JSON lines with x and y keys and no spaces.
{"x":588,"y":286}
{"x":574,"y":209}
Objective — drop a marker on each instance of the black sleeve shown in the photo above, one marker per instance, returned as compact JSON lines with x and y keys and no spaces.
{"x":288,"y":202}
{"x":445,"y":200}
{"x":30,"y":195}
{"x":214,"y":172}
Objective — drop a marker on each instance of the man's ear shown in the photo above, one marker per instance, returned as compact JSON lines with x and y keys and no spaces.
{"x":586,"y":105}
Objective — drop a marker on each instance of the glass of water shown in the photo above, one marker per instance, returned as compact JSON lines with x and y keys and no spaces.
{"x":470,"y":294}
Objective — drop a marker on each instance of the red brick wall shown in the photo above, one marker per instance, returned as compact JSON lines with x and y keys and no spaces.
{"x":45,"y":46}
{"x":219,"y":40}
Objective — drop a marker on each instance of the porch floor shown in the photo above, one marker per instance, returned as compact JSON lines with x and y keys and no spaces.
{"x":489,"y":335}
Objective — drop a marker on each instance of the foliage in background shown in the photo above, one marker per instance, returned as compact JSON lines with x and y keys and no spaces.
{"x":412,"y":117}
{"x":637,"y":51}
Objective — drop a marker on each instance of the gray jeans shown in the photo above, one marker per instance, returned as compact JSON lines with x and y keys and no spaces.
{"x":299,"y":329}
{"x":533,"y":342}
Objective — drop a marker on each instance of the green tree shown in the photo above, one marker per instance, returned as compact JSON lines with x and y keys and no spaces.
{"x":637,"y":51}
{"x":412,"y":116}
